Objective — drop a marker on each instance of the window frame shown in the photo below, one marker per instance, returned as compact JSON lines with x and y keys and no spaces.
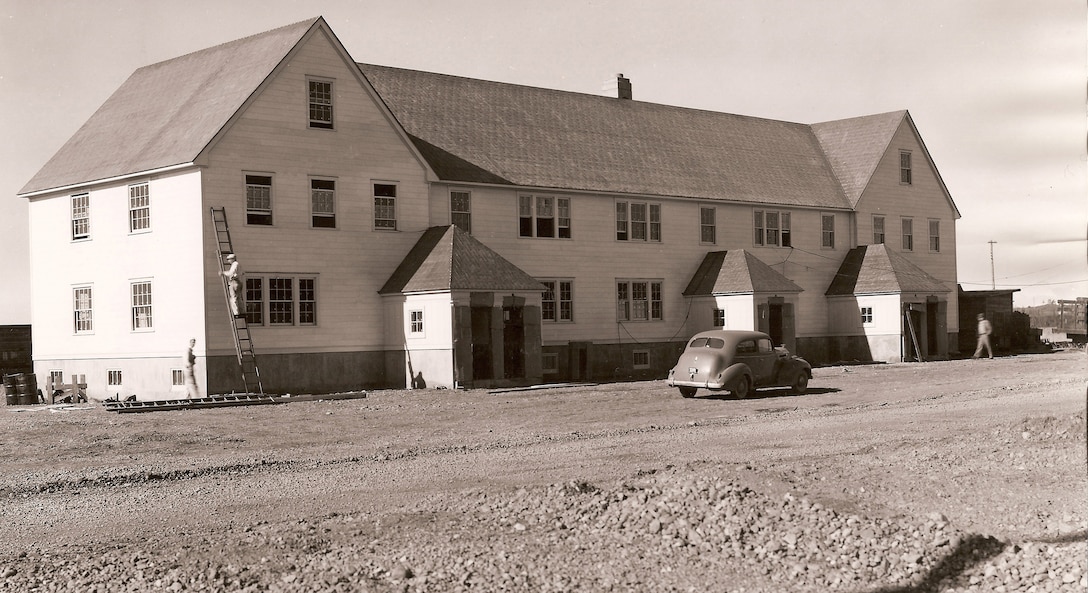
{"x":84,"y":325}
{"x":711,"y":226}
{"x":561,"y":291}
{"x":259,"y":216}
{"x":549,"y":362}
{"x":81,"y":216}
{"x":908,"y":233}
{"x":461,"y":218}
{"x":118,"y":382}
{"x":385,"y":223}
{"x":718,"y":315}
{"x":328,"y":104}
{"x":416,"y":325}
{"x":645,"y":228}
{"x":866,"y":315}
{"x":139,"y":213}
{"x":260,"y":308}
{"x":827,"y":235}
{"x":533,"y":220}
{"x":626,"y":301}
{"x":934,"y":235}
{"x":320,"y":192}
{"x":177,"y":378}
{"x":143,"y":302}
{"x":879,"y":236}
{"x":906,"y":167}
{"x":636,"y":363}
{"x":782,"y":228}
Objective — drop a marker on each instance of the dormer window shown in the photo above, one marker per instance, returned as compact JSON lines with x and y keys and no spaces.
{"x":320,"y":104}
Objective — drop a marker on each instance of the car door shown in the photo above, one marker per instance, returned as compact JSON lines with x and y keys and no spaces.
{"x":759,"y":355}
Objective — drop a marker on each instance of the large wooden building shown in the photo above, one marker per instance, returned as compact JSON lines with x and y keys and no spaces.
{"x":399,"y":228}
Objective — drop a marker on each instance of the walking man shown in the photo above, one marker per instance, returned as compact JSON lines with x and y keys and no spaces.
{"x":984,"y":331}
{"x":190,"y":372}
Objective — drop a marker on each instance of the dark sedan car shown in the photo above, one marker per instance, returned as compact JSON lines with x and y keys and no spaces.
{"x":737,"y":361}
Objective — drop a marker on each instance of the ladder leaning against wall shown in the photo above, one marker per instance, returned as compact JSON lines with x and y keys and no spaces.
{"x":243,"y":343}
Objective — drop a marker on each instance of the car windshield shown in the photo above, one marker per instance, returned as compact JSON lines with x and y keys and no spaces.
{"x":707,"y":343}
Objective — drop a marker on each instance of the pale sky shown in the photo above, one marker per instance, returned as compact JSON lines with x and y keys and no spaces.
{"x":996,"y":88}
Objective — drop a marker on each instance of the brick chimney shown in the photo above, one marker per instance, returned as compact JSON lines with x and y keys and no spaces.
{"x":619,"y":87}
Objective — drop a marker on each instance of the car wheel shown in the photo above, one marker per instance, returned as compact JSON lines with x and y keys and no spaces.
{"x":742,"y":387}
{"x":800,"y":383}
{"x":688,"y":391}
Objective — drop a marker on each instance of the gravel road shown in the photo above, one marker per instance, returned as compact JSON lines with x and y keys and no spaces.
{"x":945,"y":476}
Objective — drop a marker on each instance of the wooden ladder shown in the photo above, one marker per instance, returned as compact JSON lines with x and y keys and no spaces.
{"x":243,"y":342}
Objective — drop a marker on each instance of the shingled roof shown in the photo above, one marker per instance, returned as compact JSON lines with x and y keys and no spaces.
{"x":448,"y":258}
{"x":479,"y":131}
{"x":737,"y":272}
{"x":855,"y":146}
{"x":875,"y":269}
{"x":165,"y":114}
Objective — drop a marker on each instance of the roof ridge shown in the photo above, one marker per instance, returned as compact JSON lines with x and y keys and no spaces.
{"x":225,"y":44}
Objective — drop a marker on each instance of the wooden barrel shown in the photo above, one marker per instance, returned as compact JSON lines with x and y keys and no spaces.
{"x":27,"y":386}
{"x":11,"y":391}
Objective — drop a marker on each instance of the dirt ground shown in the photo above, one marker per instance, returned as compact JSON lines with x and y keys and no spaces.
{"x":992,"y":448}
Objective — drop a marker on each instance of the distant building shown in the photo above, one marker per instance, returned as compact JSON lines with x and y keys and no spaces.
{"x":396,"y":227}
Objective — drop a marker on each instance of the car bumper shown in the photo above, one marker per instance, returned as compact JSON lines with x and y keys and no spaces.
{"x":674,"y":382}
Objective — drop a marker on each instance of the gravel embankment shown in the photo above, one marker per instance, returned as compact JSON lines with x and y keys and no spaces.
{"x":678,"y":529}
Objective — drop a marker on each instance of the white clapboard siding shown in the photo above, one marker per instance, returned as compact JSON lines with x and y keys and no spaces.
{"x":351,"y":262}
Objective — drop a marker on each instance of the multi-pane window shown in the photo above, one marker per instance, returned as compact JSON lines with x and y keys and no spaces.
{"x":113,"y":378}
{"x":416,"y":322}
{"x":878,"y":230}
{"x":638,"y":221}
{"x":640,"y":359}
{"x":866,"y":314}
{"x":557,"y":303}
{"x":543,"y":216}
{"x":281,"y":301}
{"x":908,"y":234}
{"x":549,"y":362}
{"x":904,"y":167}
{"x":461,"y":209}
{"x":639,"y":300}
{"x":323,"y":203}
{"x":139,"y":207}
{"x":259,"y":199}
{"x":81,"y":307}
{"x":719,"y":317}
{"x":81,"y":216}
{"x":255,"y":301}
{"x":177,"y":377}
{"x":307,"y":301}
{"x":772,"y":228}
{"x":708,"y":228}
{"x":385,"y":206}
{"x":828,"y":235}
{"x":141,"y":305}
{"x":320,"y":104}
{"x":935,"y":235}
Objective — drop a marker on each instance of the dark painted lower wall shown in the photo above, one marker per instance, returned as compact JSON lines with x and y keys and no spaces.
{"x":320,"y":372}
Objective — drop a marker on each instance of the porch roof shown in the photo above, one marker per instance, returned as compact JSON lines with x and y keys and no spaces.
{"x":874,"y":269}
{"x":737,"y":272}
{"x":448,"y":258}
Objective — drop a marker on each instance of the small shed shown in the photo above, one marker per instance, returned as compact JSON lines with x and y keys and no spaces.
{"x":1011,"y":330}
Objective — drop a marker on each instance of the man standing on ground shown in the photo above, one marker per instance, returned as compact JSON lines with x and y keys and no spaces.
{"x":190,"y":372}
{"x":984,"y":331}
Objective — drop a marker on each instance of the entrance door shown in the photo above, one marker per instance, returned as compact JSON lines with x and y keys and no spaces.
{"x":931,"y":327}
{"x":513,"y":337}
{"x":481,"y":343}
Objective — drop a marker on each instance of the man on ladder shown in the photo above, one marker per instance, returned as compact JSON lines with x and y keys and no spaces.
{"x":234,"y":286}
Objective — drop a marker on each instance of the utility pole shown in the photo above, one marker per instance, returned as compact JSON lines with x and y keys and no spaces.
{"x":993,"y":279}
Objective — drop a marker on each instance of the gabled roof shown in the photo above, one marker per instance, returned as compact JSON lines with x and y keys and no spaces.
{"x":488,"y":132}
{"x":165,"y":114}
{"x":737,"y":272}
{"x":448,"y":258}
{"x":855,"y":146}
{"x":874,"y":269}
